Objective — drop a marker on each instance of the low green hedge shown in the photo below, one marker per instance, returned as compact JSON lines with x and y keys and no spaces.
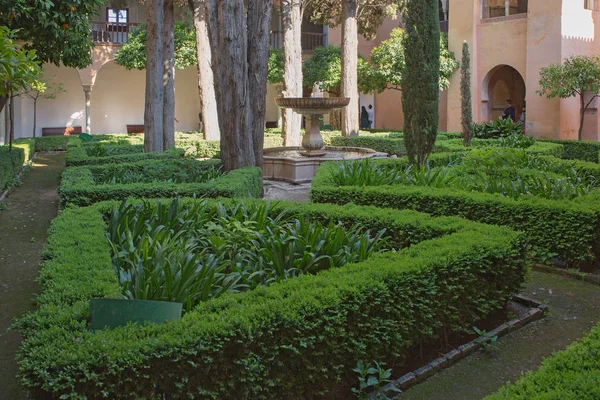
{"x":79,"y":187}
{"x":293,"y":339}
{"x":566,"y":229}
{"x":571,"y":374}
{"x":52,"y":143}
{"x":78,"y":155}
{"x":578,"y":150}
{"x":456,"y":145}
{"x":381,"y":144}
{"x":10,"y":164}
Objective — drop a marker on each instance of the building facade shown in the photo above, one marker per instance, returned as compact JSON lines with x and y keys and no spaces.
{"x":510,"y":41}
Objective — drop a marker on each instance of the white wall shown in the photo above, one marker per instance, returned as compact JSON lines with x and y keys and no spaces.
{"x":118,"y":99}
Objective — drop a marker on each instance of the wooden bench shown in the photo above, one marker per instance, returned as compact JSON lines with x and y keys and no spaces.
{"x":135,"y":129}
{"x":62,"y":131}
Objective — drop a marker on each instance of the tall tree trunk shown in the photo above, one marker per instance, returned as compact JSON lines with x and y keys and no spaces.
{"x":581,"y":117}
{"x":11,"y":135}
{"x":206,"y":82}
{"x":229,"y":41}
{"x":350,"y":120}
{"x":153,"y":107}
{"x":3,"y":101}
{"x":259,"y":22}
{"x":169,"y":75}
{"x":34,"y":115}
{"x":291,"y":11}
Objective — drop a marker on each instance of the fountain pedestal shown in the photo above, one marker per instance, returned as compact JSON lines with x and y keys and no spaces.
{"x":299,"y":164}
{"x":312,"y":141}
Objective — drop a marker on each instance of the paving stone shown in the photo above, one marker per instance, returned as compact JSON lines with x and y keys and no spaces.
{"x":453,"y":356}
{"x":532,"y":315}
{"x":514,"y":324}
{"x":544,"y":308}
{"x":499,"y":331}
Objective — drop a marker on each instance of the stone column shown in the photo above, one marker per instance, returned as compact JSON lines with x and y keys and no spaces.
{"x":312,"y":141}
{"x":280,"y":111}
{"x":87,"y":90}
{"x":506,"y":8}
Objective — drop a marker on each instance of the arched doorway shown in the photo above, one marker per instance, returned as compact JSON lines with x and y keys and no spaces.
{"x":502,"y":83}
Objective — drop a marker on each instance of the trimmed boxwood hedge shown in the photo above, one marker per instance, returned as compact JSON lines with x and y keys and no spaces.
{"x":571,"y":374}
{"x":78,"y":155}
{"x":293,"y":339}
{"x":578,"y":150}
{"x":381,"y":144}
{"x":10,"y":164}
{"x":78,"y":186}
{"x":567,"y":229}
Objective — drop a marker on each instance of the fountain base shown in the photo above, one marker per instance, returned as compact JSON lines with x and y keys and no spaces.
{"x":290,"y":165}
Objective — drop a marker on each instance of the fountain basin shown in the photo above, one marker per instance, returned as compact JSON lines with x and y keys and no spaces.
{"x":289,"y":165}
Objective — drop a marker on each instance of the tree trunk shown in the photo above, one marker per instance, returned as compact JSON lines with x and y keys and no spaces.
{"x":169,"y":75}
{"x":11,"y":111}
{"x":229,"y":41}
{"x":153,"y":107}
{"x":34,"y":116}
{"x":3,"y":101}
{"x":581,"y":117}
{"x":206,"y":82}
{"x":350,"y":120}
{"x":292,"y":74}
{"x":259,"y":23}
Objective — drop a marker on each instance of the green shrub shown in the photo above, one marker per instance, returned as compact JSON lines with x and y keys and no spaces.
{"x":567,"y":230}
{"x":571,"y":374}
{"x":498,"y":128}
{"x":80,"y":155}
{"x":52,"y":143}
{"x":293,"y":339}
{"x":10,"y":164}
{"x":578,"y":150}
{"x":86,"y":185}
{"x":196,"y":252}
{"x":381,"y":144}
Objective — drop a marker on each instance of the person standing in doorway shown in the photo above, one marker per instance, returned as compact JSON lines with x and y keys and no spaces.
{"x":371,"y":113}
{"x":509,"y":111}
{"x":364,"y":118}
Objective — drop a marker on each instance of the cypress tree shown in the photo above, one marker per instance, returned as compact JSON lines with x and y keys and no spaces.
{"x":465,"y":94}
{"x":420,"y":79}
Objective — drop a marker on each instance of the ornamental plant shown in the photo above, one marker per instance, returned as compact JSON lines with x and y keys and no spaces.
{"x":577,"y":76}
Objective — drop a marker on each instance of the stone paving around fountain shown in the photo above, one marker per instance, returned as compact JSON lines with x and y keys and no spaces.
{"x":277,"y":190}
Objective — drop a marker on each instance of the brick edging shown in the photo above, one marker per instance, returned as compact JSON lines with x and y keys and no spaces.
{"x":589,"y":278}
{"x":536,"y":312}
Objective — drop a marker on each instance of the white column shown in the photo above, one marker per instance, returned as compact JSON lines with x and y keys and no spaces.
{"x":506,"y":8}
{"x":87,"y":90}
{"x":280,"y":111}
{"x":445,"y":9}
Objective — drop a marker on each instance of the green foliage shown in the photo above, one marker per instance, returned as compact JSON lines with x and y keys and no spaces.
{"x":526,"y":192}
{"x":576,"y":76}
{"x":19,"y":68}
{"x":58,"y":30}
{"x":275,"y":67}
{"x":325,"y":68}
{"x":132,"y":54}
{"x":498,"y":128}
{"x":421,"y":78}
{"x":196,"y":252}
{"x":372,"y":378}
{"x":486,"y":341}
{"x":465,"y":95}
{"x":382,"y":144}
{"x":160,"y":178}
{"x":578,"y":150}
{"x":10,"y":164}
{"x":385,"y":68}
{"x":571,"y":374}
{"x":115,"y":154}
{"x":247,"y":343}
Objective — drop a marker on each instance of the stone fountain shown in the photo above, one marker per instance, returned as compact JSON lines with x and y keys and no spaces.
{"x":300,"y":164}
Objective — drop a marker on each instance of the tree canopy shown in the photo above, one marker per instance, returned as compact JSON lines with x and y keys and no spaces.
{"x":275,"y":67}
{"x":325,"y":68}
{"x":387,"y":64}
{"x":133,"y":53}
{"x":576,"y":76}
{"x":59,"y":30}
{"x":370,"y":14}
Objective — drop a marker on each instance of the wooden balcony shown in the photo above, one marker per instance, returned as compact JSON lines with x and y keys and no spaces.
{"x":111,"y":33}
{"x":310,"y":40}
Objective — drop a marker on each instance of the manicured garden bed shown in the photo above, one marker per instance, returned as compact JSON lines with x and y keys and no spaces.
{"x":114,"y":153}
{"x":153,"y":178}
{"x":296,"y":338}
{"x":553,"y":201}
{"x":571,"y":374}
